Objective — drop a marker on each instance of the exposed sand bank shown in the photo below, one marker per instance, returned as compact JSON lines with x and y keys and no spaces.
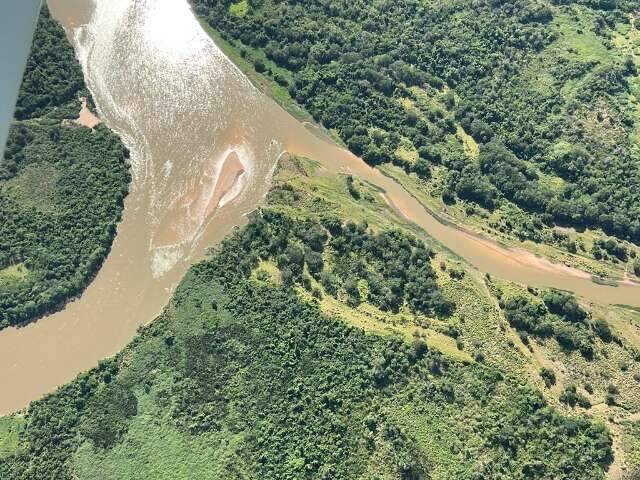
{"x":232,"y":170}
{"x":87,"y":117}
{"x":196,"y":206}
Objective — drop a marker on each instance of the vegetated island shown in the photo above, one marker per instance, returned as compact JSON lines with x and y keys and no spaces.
{"x":62,"y":185}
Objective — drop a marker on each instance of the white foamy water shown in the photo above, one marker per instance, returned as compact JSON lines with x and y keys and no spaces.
{"x":188,"y":116}
{"x":146,"y":56}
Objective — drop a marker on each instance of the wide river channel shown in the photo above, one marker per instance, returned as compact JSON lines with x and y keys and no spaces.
{"x":204,"y":143}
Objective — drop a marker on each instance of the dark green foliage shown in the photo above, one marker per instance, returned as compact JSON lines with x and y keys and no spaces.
{"x":52,"y":429}
{"x":548,"y":376}
{"x":525,"y":315}
{"x":396,"y":268}
{"x":612,"y":391}
{"x":52,"y":77}
{"x":612,"y":247}
{"x":602,"y":329}
{"x":62,"y":187}
{"x":471,"y":185}
{"x":559,"y":316}
{"x":565,"y":305}
{"x":108,"y":414}
{"x":514,"y":178}
{"x":353,"y":190}
{"x":351,"y":61}
{"x":303,"y":395}
{"x":573,"y":398}
{"x":64,"y":241}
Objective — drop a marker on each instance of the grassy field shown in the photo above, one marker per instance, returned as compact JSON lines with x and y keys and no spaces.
{"x":10,"y":429}
{"x":35,"y":187}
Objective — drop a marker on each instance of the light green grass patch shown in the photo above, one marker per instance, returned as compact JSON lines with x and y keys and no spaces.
{"x":626,"y":38}
{"x":373,"y":320}
{"x":630,"y":441}
{"x":322,"y":194}
{"x":154,"y":448}
{"x":471,"y":148}
{"x":577,"y":41}
{"x":540,"y":80}
{"x":239,"y":9}
{"x":14,"y":272}
{"x":576,"y":38}
{"x":267,"y":270}
{"x":434,"y":431}
{"x":10,"y":427}
{"x":406,"y":151}
{"x":35,"y":187}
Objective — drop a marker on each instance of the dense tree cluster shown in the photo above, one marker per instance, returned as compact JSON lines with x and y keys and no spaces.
{"x":548,"y":376}
{"x":61,"y":238}
{"x":53,"y":78}
{"x":62,"y":187}
{"x":354,"y":63}
{"x":299,"y":395}
{"x":558,"y":316}
{"x":572,"y":397}
{"x":602,"y":247}
{"x":394,"y":268}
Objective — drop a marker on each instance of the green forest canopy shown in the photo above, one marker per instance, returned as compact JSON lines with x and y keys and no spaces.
{"x":240,"y":378}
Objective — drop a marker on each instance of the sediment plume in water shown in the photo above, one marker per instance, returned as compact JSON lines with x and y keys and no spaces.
{"x":204,"y":144}
{"x":199,"y":163}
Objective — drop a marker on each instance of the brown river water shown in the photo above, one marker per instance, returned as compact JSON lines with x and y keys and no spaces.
{"x":204,"y":144}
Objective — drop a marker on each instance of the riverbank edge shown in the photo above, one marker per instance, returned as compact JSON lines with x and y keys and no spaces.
{"x":85,"y":101}
{"x":275,"y":91}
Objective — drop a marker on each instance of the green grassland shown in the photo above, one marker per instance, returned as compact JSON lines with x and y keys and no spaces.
{"x":10,"y":430}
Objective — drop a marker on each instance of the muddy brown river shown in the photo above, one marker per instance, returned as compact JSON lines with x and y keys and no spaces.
{"x":204,"y":143}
